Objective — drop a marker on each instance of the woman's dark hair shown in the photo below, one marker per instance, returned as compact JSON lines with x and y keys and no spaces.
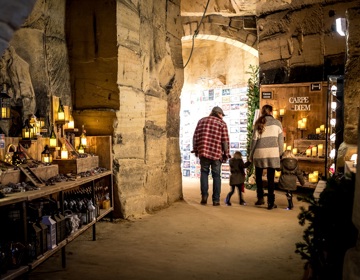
{"x":266,"y":110}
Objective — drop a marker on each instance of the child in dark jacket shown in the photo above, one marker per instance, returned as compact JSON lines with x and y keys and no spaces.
{"x":289,"y":174}
{"x":237,"y":177}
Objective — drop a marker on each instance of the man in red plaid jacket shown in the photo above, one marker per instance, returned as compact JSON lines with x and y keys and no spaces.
{"x":211,"y":145}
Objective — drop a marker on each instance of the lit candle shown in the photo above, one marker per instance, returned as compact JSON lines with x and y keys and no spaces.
{"x":320,"y":149}
{"x":299,"y":123}
{"x":294,"y":151}
{"x":277,"y":174}
{"x":282,"y":112}
{"x":314,"y":151}
{"x":304,"y":121}
{"x":288,"y":148}
{"x":315,"y":176}
{"x":275,"y":114}
{"x":308,"y":152}
{"x":318,"y":130}
{"x":303,"y":125}
{"x":311,"y":177}
{"x":322,"y":127}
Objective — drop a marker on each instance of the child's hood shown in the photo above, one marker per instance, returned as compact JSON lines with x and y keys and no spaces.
{"x":289,"y":163}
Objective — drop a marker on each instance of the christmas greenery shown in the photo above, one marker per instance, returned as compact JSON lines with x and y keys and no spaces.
{"x":253,"y":104}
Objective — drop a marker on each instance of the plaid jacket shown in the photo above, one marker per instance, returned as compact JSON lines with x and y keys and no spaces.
{"x":210,"y":134}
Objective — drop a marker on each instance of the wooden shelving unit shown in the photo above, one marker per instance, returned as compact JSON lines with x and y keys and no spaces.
{"x":22,"y":199}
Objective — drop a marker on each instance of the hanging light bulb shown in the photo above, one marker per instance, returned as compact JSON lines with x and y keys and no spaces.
{"x":333,"y":106}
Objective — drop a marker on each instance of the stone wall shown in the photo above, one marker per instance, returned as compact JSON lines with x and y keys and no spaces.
{"x":119,"y":64}
{"x":146,"y":132}
{"x":299,"y":43}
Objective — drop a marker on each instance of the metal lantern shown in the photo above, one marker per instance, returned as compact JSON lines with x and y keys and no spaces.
{"x":27,"y":131}
{"x":83,"y":140}
{"x":5,"y":104}
{"x":64,"y":152}
{"x":53,"y":139}
{"x":46,"y":156}
{"x":60,"y":112}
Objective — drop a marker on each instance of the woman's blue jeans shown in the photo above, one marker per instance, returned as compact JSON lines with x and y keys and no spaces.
{"x":215,"y":165}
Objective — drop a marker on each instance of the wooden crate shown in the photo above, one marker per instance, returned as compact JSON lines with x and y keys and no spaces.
{"x":14,"y":176}
{"x":76,"y":166}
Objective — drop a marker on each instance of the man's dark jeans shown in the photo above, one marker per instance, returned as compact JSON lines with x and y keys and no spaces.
{"x":215,"y":165}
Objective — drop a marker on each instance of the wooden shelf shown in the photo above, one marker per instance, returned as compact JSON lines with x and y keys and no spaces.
{"x":14,"y":273}
{"x":103,"y":147}
{"x":47,"y":190}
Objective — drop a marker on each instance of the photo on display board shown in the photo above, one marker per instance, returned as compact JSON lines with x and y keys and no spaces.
{"x":225,"y":175}
{"x":226,"y":99}
{"x":211,"y":94}
{"x":235,"y":98}
{"x":186,"y":164}
{"x":234,"y":129}
{"x":234,"y":145}
{"x":186,"y":172}
{"x":226,"y":92}
{"x":205,"y":96}
{"x":235,"y":106}
{"x":234,"y":122}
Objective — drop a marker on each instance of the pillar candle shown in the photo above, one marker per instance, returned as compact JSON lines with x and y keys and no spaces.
{"x":282,"y":112}
{"x":314,"y":151}
{"x":320,"y":150}
{"x":277,"y":174}
{"x":284,"y":146}
{"x":308,"y":152}
{"x":318,"y":130}
{"x":299,"y":123}
{"x":322,"y":127}
{"x":294,"y":151}
{"x":311,"y":177}
{"x":288,"y":148}
{"x":275,"y":114}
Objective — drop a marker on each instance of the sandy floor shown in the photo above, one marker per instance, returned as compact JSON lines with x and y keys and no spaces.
{"x":189,"y":241}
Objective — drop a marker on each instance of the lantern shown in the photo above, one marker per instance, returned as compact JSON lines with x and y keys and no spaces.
{"x":46,"y":156}
{"x":27,"y":131}
{"x":81,"y":149}
{"x":64,"y":152}
{"x":71,"y":123}
{"x":61,"y":112}
{"x":4,"y":104}
{"x":53,"y":139}
{"x":83,"y":140}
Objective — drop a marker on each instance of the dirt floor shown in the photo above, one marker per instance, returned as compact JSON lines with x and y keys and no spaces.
{"x":189,"y":241}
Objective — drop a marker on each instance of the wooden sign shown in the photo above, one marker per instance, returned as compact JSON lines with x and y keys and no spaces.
{"x":266,"y":95}
{"x":315,"y":87}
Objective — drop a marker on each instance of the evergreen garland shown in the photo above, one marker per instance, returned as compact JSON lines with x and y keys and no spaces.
{"x":253,"y":104}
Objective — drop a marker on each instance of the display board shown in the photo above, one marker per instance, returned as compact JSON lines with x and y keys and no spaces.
{"x":197,"y":104}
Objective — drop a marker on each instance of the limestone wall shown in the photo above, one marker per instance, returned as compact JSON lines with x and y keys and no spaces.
{"x":299,"y":43}
{"x":150,"y":77}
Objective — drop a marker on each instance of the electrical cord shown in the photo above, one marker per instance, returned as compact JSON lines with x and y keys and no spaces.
{"x":196,"y":32}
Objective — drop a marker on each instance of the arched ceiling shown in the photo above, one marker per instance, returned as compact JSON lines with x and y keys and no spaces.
{"x":229,"y":8}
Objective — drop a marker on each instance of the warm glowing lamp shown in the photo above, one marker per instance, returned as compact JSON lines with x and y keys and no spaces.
{"x":46,"y":156}
{"x":64,"y":152}
{"x":83,"y":140}
{"x":71,"y":123}
{"x":61,"y":112}
{"x":4,"y":104}
{"x":53,"y":139}
{"x":27,"y":130}
{"x":81,"y":149}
